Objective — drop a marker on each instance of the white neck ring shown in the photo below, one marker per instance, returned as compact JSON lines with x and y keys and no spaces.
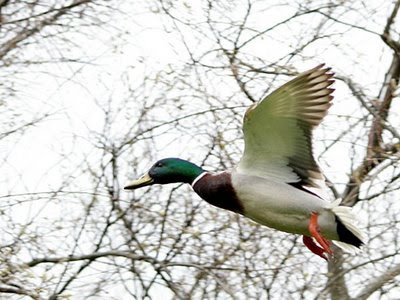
{"x":198,"y":178}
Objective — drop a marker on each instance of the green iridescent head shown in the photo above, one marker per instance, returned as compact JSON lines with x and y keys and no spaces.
{"x":167,"y":170}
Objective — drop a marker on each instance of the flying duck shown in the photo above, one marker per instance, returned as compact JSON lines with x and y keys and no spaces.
{"x":276,"y":181}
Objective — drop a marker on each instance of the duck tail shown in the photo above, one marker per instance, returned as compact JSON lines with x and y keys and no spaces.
{"x":350,"y":236}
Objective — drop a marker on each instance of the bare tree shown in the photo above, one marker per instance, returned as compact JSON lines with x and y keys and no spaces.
{"x":89,"y":238}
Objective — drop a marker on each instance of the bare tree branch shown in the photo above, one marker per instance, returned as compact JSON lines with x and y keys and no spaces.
{"x":379,"y":281}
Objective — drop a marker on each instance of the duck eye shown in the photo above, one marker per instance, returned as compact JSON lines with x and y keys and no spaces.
{"x":158,"y":165}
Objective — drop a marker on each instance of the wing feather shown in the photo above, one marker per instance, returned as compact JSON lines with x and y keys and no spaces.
{"x":278,"y":130}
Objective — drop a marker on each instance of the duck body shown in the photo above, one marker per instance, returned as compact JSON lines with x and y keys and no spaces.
{"x":270,"y":203}
{"x":271,"y":183}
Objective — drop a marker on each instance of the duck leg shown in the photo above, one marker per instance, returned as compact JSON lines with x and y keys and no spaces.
{"x":315,"y":233}
{"x":314,"y":248}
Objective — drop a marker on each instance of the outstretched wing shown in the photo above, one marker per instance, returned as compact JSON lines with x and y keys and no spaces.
{"x":278,"y":129}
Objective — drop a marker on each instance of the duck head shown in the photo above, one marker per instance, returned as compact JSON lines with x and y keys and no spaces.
{"x":167,"y":170}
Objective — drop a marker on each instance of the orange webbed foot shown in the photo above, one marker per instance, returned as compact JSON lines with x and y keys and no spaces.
{"x":313,"y":228}
{"x":314,"y":248}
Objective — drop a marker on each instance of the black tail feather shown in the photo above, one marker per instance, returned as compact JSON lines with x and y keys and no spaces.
{"x":346,"y":236}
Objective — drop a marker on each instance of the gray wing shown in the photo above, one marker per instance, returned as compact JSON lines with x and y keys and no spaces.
{"x":278,"y":130}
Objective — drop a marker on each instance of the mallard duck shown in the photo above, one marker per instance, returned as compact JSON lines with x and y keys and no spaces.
{"x":276,"y":181}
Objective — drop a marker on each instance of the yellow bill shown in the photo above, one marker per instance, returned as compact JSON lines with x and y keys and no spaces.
{"x":138,"y":183}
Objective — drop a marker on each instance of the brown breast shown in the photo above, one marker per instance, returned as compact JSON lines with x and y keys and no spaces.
{"x":217,"y":190}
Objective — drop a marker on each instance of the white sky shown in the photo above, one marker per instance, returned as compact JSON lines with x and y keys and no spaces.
{"x":70,"y":92}
{"x":71,"y":96}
